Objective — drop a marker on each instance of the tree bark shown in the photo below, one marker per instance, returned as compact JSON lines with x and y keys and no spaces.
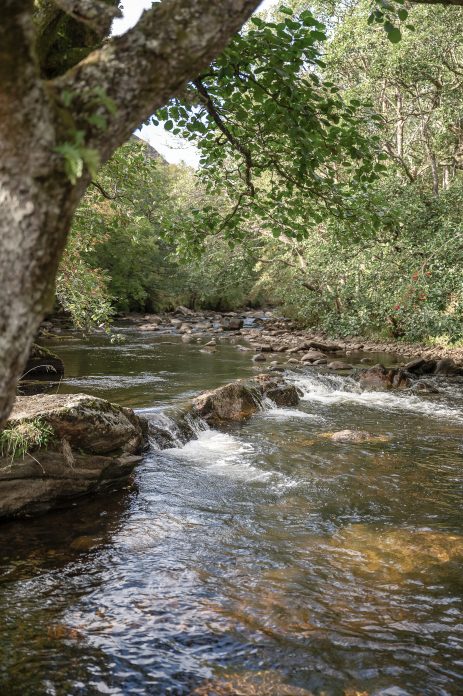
{"x":136,"y":73}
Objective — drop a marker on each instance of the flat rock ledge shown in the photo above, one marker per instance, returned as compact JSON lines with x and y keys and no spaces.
{"x":59,"y":447}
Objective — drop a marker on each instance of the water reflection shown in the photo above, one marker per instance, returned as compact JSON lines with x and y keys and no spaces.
{"x":263,"y":560}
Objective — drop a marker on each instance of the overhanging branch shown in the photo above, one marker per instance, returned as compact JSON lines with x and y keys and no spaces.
{"x":141,"y":70}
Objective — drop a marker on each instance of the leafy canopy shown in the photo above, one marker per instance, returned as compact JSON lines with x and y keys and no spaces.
{"x":276,"y":139}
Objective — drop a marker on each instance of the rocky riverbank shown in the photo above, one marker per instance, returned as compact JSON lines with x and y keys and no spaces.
{"x":271,"y":337}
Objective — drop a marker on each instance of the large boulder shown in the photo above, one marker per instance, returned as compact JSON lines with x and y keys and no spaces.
{"x":420,"y":366}
{"x":43,"y":363}
{"x":380,"y":377}
{"x":241,"y":399}
{"x":447,"y":367}
{"x":56,"y":448}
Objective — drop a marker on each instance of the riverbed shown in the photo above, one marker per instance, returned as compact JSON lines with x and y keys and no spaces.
{"x":260,"y":559}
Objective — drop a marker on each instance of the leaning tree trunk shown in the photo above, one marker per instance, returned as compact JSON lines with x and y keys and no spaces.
{"x":123,"y":83}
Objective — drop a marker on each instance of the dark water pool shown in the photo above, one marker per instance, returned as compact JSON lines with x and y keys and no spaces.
{"x":265,"y":559}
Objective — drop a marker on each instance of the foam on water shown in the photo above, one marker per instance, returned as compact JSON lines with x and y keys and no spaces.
{"x":332,"y":389}
{"x":277,"y":413}
{"x":222,"y":454}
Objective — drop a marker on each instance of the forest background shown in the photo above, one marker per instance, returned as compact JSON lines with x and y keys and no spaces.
{"x":329,"y":183}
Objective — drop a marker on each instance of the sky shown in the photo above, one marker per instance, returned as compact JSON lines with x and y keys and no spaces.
{"x":171,"y":148}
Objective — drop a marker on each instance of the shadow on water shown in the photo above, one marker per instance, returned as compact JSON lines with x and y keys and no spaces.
{"x":262,"y":560}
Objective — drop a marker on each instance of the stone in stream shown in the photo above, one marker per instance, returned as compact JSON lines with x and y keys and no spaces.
{"x":43,"y":363}
{"x":324,"y":346}
{"x":241,"y":399}
{"x":447,"y":367}
{"x":380,"y":377}
{"x":338,"y":365}
{"x":231,"y":323}
{"x":313,"y":355}
{"x":259,"y":357}
{"x":56,"y":448}
{"x":355,"y":436}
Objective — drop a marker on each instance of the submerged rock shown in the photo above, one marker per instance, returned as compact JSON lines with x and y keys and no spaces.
{"x":239,"y":400}
{"x":56,"y":448}
{"x":355,"y":436}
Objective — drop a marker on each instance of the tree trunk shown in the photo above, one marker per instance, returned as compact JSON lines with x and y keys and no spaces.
{"x":135,"y":74}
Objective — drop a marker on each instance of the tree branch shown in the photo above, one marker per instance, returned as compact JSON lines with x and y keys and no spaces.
{"x":141,"y":70}
{"x":96,"y":14}
{"x":214,"y":114}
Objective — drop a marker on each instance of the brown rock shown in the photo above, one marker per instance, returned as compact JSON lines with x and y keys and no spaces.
{"x":313,"y":355}
{"x":338,"y":365}
{"x":72,"y":445}
{"x":239,"y":400}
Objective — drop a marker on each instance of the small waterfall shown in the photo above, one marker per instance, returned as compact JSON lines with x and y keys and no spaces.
{"x":333,"y":389}
{"x":167,"y":431}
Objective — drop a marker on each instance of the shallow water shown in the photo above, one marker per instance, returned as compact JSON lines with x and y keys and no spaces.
{"x":264,"y":559}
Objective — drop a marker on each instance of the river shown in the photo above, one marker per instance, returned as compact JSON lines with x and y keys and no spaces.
{"x":263,"y":559}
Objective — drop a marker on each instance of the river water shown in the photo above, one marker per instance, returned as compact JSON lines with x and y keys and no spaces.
{"x":264,"y":559}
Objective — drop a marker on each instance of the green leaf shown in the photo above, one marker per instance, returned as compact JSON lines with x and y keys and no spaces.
{"x":394,"y":35}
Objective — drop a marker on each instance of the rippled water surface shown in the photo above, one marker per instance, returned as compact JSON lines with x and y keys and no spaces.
{"x":264,"y":559}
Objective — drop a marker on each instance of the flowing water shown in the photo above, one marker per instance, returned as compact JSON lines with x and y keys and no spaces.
{"x":262,"y":559}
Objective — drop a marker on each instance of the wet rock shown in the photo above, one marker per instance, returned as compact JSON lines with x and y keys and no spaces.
{"x":355,"y":436}
{"x":259,"y":357}
{"x":313,"y":355}
{"x":379,"y":377}
{"x":241,"y":399}
{"x":423,"y":387}
{"x":420,"y":366}
{"x":43,"y":363}
{"x":447,"y":367}
{"x":339,"y":365}
{"x":148,"y":327}
{"x":283,"y":395}
{"x":231,"y":323}
{"x":324,"y":346}
{"x":71,"y":445}
{"x":263,"y":347}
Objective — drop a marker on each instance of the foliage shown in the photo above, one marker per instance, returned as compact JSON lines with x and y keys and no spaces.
{"x":343,"y":205}
{"x":403,"y":279}
{"x":21,"y":439}
{"x":278,"y":142}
